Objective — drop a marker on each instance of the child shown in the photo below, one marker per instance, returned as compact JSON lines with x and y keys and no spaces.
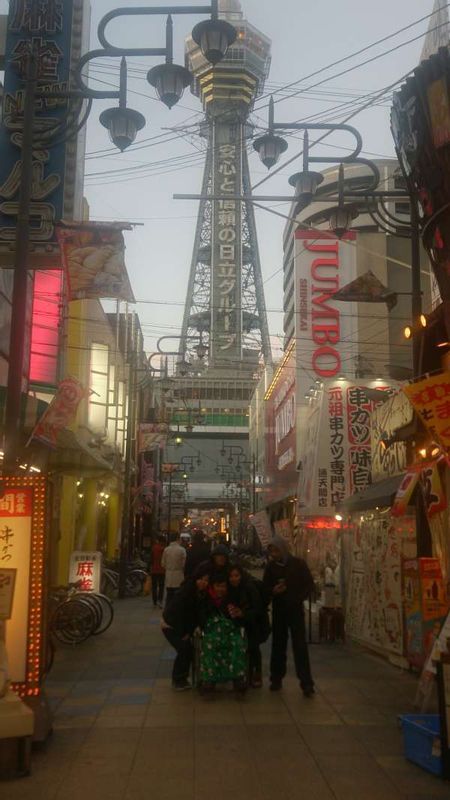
{"x":224,"y":651}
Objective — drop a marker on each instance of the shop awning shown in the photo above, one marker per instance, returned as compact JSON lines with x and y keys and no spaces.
{"x":75,"y":457}
{"x":378,"y":495}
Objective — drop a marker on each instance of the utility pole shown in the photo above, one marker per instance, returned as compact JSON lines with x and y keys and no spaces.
{"x":20,"y":288}
{"x":169,"y":510}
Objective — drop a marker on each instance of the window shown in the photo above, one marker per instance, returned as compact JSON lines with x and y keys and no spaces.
{"x":99,"y":386}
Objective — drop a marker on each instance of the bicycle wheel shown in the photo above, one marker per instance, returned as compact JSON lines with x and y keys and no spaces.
{"x":135,"y":582}
{"x":110,"y":583}
{"x":107,"y":613}
{"x":90,"y":598}
{"x":73,"y":621}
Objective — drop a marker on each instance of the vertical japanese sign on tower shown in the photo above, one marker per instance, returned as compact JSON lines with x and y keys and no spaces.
{"x":226,"y":315}
{"x":53,"y":31}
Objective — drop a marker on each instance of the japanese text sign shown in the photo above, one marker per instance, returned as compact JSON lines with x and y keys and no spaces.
{"x":430,"y":398}
{"x":227,"y":245}
{"x":262,"y":526}
{"x":85,"y":569}
{"x":44,"y":29}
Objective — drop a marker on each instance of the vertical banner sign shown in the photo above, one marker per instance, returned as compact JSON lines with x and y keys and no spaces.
{"x":430,"y":398}
{"x":227,"y":246}
{"x":22,"y":531}
{"x":336,"y":456}
{"x":324,"y":263}
{"x":281,"y":417}
{"x":44,"y":28}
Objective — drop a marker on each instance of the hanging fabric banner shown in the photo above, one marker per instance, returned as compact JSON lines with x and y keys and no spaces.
{"x":60,"y":413}
{"x":432,"y":489}
{"x":152,"y":435}
{"x":93,"y":255}
{"x":430,"y":398}
{"x":404,"y":493}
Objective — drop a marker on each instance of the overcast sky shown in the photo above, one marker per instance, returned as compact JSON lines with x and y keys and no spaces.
{"x":306,"y":36}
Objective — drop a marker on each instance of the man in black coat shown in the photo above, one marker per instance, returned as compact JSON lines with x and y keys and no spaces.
{"x":197,"y":554}
{"x":288,"y":581}
{"x":179,"y":620}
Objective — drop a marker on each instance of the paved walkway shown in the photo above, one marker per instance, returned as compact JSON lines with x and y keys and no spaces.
{"x":122,"y":734}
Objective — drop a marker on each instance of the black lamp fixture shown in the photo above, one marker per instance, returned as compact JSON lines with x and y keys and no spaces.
{"x":214,"y":37}
{"x":270,"y":148}
{"x":169,"y":79}
{"x":122,"y":123}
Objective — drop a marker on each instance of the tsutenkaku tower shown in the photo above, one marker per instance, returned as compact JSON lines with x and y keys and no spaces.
{"x":225,"y":299}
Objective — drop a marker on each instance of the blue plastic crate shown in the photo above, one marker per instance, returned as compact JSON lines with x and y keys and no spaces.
{"x":422,"y":741}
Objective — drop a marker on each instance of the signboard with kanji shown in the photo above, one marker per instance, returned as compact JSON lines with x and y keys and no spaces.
{"x":53,"y":32}
{"x":430,"y":398}
{"x":22,"y":545}
{"x":7,"y":582}
{"x":85,"y":570}
{"x":337,"y":459}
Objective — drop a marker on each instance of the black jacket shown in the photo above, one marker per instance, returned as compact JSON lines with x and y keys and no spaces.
{"x":299,"y":582}
{"x":196,"y":555}
{"x":183,"y":610}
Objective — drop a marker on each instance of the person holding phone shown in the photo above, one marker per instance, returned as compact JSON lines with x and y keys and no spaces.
{"x":288,"y":581}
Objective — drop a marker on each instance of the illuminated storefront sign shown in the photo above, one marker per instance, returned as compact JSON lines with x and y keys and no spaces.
{"x":48,"y":30}
{"x":45,"y":326}
{"x":324,"y":264}
{"x":430,"y":398}
{"x":22,"y":548}
{"x":227,"y":256}
{"x":85,"y":570}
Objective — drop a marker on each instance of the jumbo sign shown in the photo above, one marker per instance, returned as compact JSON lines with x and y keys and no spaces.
{"x":324,"y":264}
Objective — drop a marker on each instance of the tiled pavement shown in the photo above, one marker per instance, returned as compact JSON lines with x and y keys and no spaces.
{"x":120,"y":733}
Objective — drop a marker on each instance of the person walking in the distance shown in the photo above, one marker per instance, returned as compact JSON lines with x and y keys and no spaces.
{"x":157,"y":572}
{"x":288,"y":582}
{"x":173,"y":561}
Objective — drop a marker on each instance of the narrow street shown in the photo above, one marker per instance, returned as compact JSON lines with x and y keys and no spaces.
{"x":120,"y":732}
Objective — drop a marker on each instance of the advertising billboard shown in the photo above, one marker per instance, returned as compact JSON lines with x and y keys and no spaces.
{"x":54,"y":33}
{"x":281,"y":419}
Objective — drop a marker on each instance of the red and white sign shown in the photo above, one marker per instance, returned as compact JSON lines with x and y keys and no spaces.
{"x":60,"y":413}
{"x":336,"y":461}
{"x":85,"y":569}
{"x":281,"y":418}
{"x":324,"y":327}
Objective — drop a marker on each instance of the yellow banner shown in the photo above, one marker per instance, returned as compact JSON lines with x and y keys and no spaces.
{"x":430,"y":398}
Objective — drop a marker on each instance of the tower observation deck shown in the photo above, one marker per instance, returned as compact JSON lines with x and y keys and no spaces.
{"x":225,"y":299}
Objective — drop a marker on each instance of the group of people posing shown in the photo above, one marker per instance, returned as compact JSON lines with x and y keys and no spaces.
{"x":229,"y":610}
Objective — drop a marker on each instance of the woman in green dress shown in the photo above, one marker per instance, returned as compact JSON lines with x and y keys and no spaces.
{"x":224,"y":647}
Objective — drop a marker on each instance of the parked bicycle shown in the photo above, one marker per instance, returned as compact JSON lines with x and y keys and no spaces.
{"x":74,"y":616}
{"x":136,"y":575}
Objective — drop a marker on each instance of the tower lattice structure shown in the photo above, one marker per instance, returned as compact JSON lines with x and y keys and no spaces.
{"x":225,"y":299}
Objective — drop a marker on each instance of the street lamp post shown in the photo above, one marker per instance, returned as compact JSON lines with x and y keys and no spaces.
{"x":214,"y":36}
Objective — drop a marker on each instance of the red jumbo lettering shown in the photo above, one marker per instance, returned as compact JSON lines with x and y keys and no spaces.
{"x":329,"y":353}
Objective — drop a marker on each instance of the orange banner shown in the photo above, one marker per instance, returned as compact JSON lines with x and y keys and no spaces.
{"x":430,"y":398}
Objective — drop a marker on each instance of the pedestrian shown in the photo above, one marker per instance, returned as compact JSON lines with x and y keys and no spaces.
{"x":218,"y":561}
{"x":173,"y":561}
{"x":179,"y":621}
{"x":197,"y":554}
{"x":288,"y":582}
{"x":223,"y":654}
{"x":157,"y":572}
{"x":248,"y":594}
